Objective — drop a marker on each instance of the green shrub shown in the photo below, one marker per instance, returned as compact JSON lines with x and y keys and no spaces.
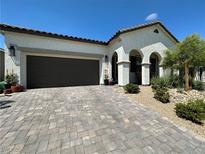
{"x":2,"y":86}
{"x":173,"y":81}
{"x":162,"y":95}
{"x":165,"y":82}
{"x":194,"y":110}
{"x":11,"y":79}
{"x":158,"y":83}
{"x":198,"y":85}
{"x":131,"y":88}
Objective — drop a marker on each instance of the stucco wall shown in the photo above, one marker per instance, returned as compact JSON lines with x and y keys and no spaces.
{"x":44,"y":46}
{"x":144,"y":40}
{"x":147,"y":42}
{"x":12,"y":64}
{"x":40,"y":42}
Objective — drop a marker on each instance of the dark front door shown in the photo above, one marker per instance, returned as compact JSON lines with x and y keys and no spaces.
{"x":45,"y":72}
{"x":154,"y":72}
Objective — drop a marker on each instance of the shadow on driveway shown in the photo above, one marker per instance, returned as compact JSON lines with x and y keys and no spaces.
{"x":5,"y":104}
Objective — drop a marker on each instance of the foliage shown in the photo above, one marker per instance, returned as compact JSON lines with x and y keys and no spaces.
{"x":193,"y":110}
{"x":162,"y":95}
{"x":190,"y":53}
{"x":165,"y":82}
{"x":2,"y":86}
{"x":174,"y":81}
{"x":169,"y":60}
{"x":131,"y":88}
{"x":11,"y":79}
{"x":158,"y":83}
{"x":198,"y":85}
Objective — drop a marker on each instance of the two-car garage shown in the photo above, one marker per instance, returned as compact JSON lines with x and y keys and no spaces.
{"x":45,"y":72}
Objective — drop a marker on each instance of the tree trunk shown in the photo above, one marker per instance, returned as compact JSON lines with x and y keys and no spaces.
{"x":186,"y":76}
{"x":172,"y":72}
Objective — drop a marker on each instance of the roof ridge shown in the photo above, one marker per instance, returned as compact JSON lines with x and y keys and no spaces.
{"x":51,"y":33}
{"x":44,"y":33}
{"x":140,"y":25}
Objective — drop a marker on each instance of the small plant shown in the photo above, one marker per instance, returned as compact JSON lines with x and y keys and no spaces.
{"x":198,"y":85}
{"x":106,"y":79}
{"x":131,"y":88}
{"x":2,"y":87}
{"x":180,"y":90}
{"x":11,"y":79}
{"x":158,"y":83}
{"x":193,"y":110}
{"x":162,"y":95}
{"x":174,"y":81}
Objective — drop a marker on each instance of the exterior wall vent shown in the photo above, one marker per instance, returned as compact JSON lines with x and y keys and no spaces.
{"x":156,"y":31}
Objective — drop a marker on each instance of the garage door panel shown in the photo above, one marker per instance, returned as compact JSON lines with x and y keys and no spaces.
{"x":57,"y":72}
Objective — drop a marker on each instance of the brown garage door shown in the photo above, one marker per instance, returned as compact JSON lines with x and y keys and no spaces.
{"x":45,"y":72}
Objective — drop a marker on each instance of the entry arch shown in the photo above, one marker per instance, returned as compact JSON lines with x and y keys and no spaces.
{"x":135,"y":57}
{"x":155,"y":61}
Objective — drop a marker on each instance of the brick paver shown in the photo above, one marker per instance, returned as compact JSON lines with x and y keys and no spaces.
{"x":89,"y":119}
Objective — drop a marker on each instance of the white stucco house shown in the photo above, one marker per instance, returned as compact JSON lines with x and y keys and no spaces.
{"x":43,"y":59}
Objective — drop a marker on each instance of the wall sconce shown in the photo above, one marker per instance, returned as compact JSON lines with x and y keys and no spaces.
{"x":106,"y":58}
{"x":12,"y":51}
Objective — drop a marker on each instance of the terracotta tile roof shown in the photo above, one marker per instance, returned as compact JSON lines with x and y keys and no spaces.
{"x":10,"y":28}
{"x":125,"y":30}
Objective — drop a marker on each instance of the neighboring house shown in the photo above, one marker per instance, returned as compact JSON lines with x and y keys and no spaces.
{"x":1,"y":64}
{"x":200,"y":75}
{"x":43,"y":59}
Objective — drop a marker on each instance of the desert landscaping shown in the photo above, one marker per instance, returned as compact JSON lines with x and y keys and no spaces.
{"x":146,"y":98}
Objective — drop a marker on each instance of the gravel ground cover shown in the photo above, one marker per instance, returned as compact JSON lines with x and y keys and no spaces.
{"x":146,"y":98}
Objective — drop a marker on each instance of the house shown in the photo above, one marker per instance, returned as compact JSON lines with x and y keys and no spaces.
{"x":43,"y":59}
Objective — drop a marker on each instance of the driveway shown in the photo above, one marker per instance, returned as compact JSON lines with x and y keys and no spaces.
{"x":90,"y":119}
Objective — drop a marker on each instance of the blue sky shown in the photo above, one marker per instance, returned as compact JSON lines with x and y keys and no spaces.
{"x":100,"y":19}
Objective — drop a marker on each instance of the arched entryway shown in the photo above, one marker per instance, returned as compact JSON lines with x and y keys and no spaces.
{"x":155,"y":59}
{"x":114,"y":68}
{"x":135,"y":67}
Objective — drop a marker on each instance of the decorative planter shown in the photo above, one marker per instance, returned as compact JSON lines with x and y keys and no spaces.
{"x":7,"y":91}
{"x":106,"y":82}
{"x":111,"y":83}
{"x":17,"y":88}
{"x":7,"y":86}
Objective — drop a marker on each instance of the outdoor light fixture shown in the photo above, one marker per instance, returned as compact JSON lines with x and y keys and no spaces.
{"x":12,"y":51}
{"x":106,"y":58}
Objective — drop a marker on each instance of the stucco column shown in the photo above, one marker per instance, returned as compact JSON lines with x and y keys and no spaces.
{"x":145,"y":74}
{"x":161,"y":71}
{"x":123,"y":72}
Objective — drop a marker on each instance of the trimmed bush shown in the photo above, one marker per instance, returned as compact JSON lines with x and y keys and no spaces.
{"x":165,"y":82}
{"x":174,"y":81}
{"x":194,"y":110}
{"x":198,"y":85}
{"x":162,"y":95}
{"x":2,"y":86}
{"x":158,"y":83}
{"x":131,"y":88}
{"x":11,"y":79}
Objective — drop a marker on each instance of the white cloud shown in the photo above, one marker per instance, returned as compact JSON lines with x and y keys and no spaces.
{"x":152,"y":16}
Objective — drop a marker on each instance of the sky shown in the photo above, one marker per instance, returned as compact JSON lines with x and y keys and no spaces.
{"x":100,"y":19}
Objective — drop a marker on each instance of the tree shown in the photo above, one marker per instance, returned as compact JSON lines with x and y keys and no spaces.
{"x":190,"y":53}
{"x":169,"y":60}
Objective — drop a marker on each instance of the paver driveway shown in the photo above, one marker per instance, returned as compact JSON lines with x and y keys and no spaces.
{"x":90,"y":119}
